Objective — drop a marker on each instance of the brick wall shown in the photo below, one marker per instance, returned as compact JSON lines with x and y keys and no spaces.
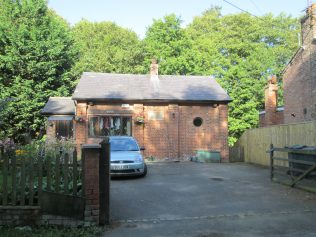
{"x":157,"y":140}
{"x":211,"y":135}
{"x":171,"y":136}
{"x":276,"y":116}
{"x":299,"y":78}
{"x":272,"y":114}
{"x":138,"y":130}
{"x":80,"y":125}
{"x":31,"y":215}
{"x":91,"y":184}
{"x":11,"y":215}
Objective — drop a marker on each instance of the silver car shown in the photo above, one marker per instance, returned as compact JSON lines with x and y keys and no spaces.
{"x":126,"y":157}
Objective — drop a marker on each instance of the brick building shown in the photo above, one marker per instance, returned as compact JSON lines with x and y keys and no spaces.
{"x":171,"y":116}
{"x":299,"y":76}
{"x":273,"y":114}
{"x":299,"y":81}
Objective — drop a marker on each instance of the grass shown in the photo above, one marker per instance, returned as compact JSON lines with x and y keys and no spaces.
{"x":50,"y":231}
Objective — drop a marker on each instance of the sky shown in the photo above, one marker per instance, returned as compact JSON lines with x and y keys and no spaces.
{"x":137,"y":15}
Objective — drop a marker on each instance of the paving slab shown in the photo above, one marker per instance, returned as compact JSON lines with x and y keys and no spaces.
{"x":198,"y":199}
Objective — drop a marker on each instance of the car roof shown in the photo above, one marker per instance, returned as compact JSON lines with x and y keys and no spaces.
{"x":121,"y":137}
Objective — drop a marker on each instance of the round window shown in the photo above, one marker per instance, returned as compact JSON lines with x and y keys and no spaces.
{"x":197,"y":122}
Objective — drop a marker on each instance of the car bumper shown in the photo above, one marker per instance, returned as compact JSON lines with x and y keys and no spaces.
{"x":135,"y":169}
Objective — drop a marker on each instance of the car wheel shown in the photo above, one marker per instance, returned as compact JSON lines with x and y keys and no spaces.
{"x":145,"y":171}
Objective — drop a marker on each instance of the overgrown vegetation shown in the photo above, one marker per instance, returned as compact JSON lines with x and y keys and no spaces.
{"x":37,"y":53}
{"x":60,"y":170}
{"x":39,"y":57}
{"x":46,"y":231}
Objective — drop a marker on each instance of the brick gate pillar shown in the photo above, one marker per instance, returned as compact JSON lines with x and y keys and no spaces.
{"x":96,"y":182}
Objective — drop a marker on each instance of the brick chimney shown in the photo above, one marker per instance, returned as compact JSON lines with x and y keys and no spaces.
{"x":154,"y":80}
{"x":308,"y":25}
{"x":154,"y":68}
{"x":271,"y":98}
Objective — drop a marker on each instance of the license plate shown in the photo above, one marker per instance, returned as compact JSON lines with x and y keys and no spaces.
{"x":119,"y":167}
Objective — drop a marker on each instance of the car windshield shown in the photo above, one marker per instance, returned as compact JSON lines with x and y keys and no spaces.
{"x":124,"y":145}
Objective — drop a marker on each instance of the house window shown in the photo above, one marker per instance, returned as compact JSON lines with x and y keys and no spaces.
{"x":101,"y":126}
{"x":63,"y":125}
{"x":64,"y":129}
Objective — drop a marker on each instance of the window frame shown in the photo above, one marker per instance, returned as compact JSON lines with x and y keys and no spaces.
{"x":199,"y":119}
{"x":68,"y":129}
{"x":109,"y":116}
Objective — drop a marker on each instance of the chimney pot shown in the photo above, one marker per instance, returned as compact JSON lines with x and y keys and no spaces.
{"x":154,"y":68}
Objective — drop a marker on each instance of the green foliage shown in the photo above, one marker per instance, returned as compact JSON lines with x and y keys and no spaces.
{"x":241,"y":51}
{"x":167,"y":42}
{"x":36,"y":55}
{"x":106,"y":47}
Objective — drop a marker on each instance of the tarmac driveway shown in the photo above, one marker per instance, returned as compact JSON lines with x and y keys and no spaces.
{"x":193,"y":199}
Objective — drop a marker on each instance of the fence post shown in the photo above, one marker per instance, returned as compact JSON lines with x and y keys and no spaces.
{"x":91,"y":157}
{"x":271,"y":161}
{"x":4,"y":177}
{"x":75,"y":172}
{"x":104,"y":182}
{"x":41,"y":157}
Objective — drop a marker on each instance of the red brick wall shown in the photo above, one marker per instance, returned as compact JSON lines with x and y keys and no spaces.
{"x":277,"y":117}
{"x":211,"y":135}
{"x":91,"y":185}
{"x":299,"y":78}
{"x":80,"y":125}
{"x":172,"y":137}
{"x":138,"y":130}
{"x":156,"y":135}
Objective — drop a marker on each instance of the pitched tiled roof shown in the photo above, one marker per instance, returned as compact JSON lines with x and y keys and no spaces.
{"x":60,"y":106}
{"x":129,"y":87}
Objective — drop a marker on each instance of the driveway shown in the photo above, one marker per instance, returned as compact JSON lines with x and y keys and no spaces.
{"x":193,"y":199}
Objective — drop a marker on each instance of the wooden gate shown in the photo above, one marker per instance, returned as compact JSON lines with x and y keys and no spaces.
{"x":37,"y":176}
{"x":296,"y":169}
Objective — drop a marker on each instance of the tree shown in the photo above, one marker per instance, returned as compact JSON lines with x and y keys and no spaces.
{"x":241,"y":51}
{"x":106,"y":47}
{"x":36,"y":56}
{"x":167,"y":42}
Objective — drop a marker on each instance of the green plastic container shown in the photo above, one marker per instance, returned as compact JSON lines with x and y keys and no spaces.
{"x":206,"y":156}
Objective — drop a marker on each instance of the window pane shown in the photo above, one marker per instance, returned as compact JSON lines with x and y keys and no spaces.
{"x":102,"y":126}
{"x":116,"y":126}
{"x":126,"y":126}
{"x":93,"y":121}
{"x":64,"y":128}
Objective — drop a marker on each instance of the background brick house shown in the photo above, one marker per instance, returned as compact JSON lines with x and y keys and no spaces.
{"x":299,"y":81}
{"x":299,"y":76}
{"x":171,"y":116}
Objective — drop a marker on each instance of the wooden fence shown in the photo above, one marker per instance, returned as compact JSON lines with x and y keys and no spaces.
{"x":25,"y":175}
{"x":255,"y":142}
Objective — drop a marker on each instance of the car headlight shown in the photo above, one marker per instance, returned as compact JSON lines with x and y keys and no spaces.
{"x":139,"y":159}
